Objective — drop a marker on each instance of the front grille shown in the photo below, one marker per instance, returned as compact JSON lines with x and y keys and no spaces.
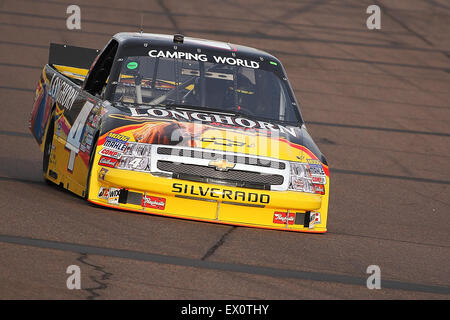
{"x":238,"y":178}
{"x":211,"y":155}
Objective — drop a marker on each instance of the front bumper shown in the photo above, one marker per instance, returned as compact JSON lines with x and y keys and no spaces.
{"x":288,"y":210}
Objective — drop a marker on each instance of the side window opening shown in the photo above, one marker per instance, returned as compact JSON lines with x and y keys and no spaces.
{"x":98,"y":75}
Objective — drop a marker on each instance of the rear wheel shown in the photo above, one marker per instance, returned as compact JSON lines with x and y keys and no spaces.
{"x":48,"y":146}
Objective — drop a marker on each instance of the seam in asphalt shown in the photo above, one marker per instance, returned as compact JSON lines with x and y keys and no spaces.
{"x":332,"y":170}
{"x":352,"y":126}
{"x":170,"y":16}
{"x":219,"y":243}
{"x":221,"y":266}
{"x":102,"y":285}
{"x":388,"y":176}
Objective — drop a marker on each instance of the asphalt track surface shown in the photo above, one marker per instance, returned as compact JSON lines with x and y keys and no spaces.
{"x":376,"y":102}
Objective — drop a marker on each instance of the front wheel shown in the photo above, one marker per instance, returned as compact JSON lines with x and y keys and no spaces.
{"x":91,"y":162}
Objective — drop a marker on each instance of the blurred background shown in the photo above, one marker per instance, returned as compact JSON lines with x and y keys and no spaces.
{"x":377,"y":103}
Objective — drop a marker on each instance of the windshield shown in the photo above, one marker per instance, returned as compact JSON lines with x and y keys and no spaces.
{"x":241,"y":88}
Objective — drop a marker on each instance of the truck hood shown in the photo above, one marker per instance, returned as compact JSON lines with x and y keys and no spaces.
{"x":212,"y":131}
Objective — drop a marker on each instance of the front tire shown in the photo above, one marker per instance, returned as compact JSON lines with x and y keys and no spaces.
{"x":91,"y":162}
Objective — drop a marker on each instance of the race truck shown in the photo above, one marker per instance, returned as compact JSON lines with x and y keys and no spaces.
{"x":180,"y":127}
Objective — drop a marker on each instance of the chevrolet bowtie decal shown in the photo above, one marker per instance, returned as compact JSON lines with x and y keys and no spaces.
{"x":221,"y":165}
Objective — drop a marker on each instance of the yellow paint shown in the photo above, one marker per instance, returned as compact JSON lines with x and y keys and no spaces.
{"x":205,"y":208}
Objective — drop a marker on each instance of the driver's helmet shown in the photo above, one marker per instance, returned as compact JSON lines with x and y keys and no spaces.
{"x":216,"y":85}
{"x":219,"y":88}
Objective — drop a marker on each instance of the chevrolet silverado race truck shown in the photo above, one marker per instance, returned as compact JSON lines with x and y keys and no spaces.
{"x":180,"y":127}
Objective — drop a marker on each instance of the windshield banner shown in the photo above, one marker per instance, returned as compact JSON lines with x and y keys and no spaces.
{"x":204,"y":58}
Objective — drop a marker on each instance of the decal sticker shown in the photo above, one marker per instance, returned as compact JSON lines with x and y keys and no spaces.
{"x":62,"y":92}
{"x":281,"y":217}
{"x":153,"y":202}
{"x":75,"y":134}
{"x":221,"y":193}
{"x":110,"y":153}
{"x":314,"y":219}
{"x":52,"y":158}
{"x":203,"y":57}
{"x":103,"y":193}
{"x":40,"y":111}
{"x":94,"y":118}
{"x":107,"y":162}
{"x":116,"y":142}
{"x":315,"y":167}
{"x":113,"y":196}
{"x":135,"y":149}
{"x":319,"y":188}
{"x":134,"y":163}
{"x":178,"y":55}
{"x":221,"y":165}
{"x":86,"y":142}
{"x":319,"y":180}
{"x":236,"y":62}
{"x":132,"y":65}
{"x":58,"y":129}
{"x":102,"y":173}
{"x":117,"y":137}
{"x":212,"y":119}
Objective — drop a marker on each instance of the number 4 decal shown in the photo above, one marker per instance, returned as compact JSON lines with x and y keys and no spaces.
{"x":74,"y":138}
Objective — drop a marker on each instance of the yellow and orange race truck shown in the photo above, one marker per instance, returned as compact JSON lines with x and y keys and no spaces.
{"x":180,"y":127}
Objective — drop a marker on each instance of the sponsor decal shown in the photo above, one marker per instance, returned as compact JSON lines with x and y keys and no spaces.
{"x":153,"y":202}
{"x":107,"y":162}
{"x":236,"y":62}
{"x":63,"y":93}
{"x":119,"y":146}
{"x":103,"y":193}
{"x":86,"y":142}
{"x":89,"y":137}
{"x":116,"y":142}
{"x":221,"y":193}
{"x":203,"y":57}
{"x":113,"y":195}
{"x":102,"y":173}
{"x":319,"y":180}
{"x":110,"y":153}
{"x":58,"y":129}
{"x":315,"y":167}
{"x":282,"y":217}
{"x":91,"y":119}
{"x":117,"y":136}
{"x":134,"y":163}
{"x":319,"y":188}
{"x":132,"y":65}
{"x":137,"y":149}
{"x":314,"y":218}
{"x":212,"y":119}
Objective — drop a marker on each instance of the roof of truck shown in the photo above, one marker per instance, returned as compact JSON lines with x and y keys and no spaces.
{"x":188,"y":43}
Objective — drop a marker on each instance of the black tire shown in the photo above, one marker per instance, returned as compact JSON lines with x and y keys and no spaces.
{"x":48,"y":145}
{"x":91,"y":161}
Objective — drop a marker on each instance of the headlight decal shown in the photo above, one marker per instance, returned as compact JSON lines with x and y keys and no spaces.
{"x":307,"y":177}
{"x":133,"y":156}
